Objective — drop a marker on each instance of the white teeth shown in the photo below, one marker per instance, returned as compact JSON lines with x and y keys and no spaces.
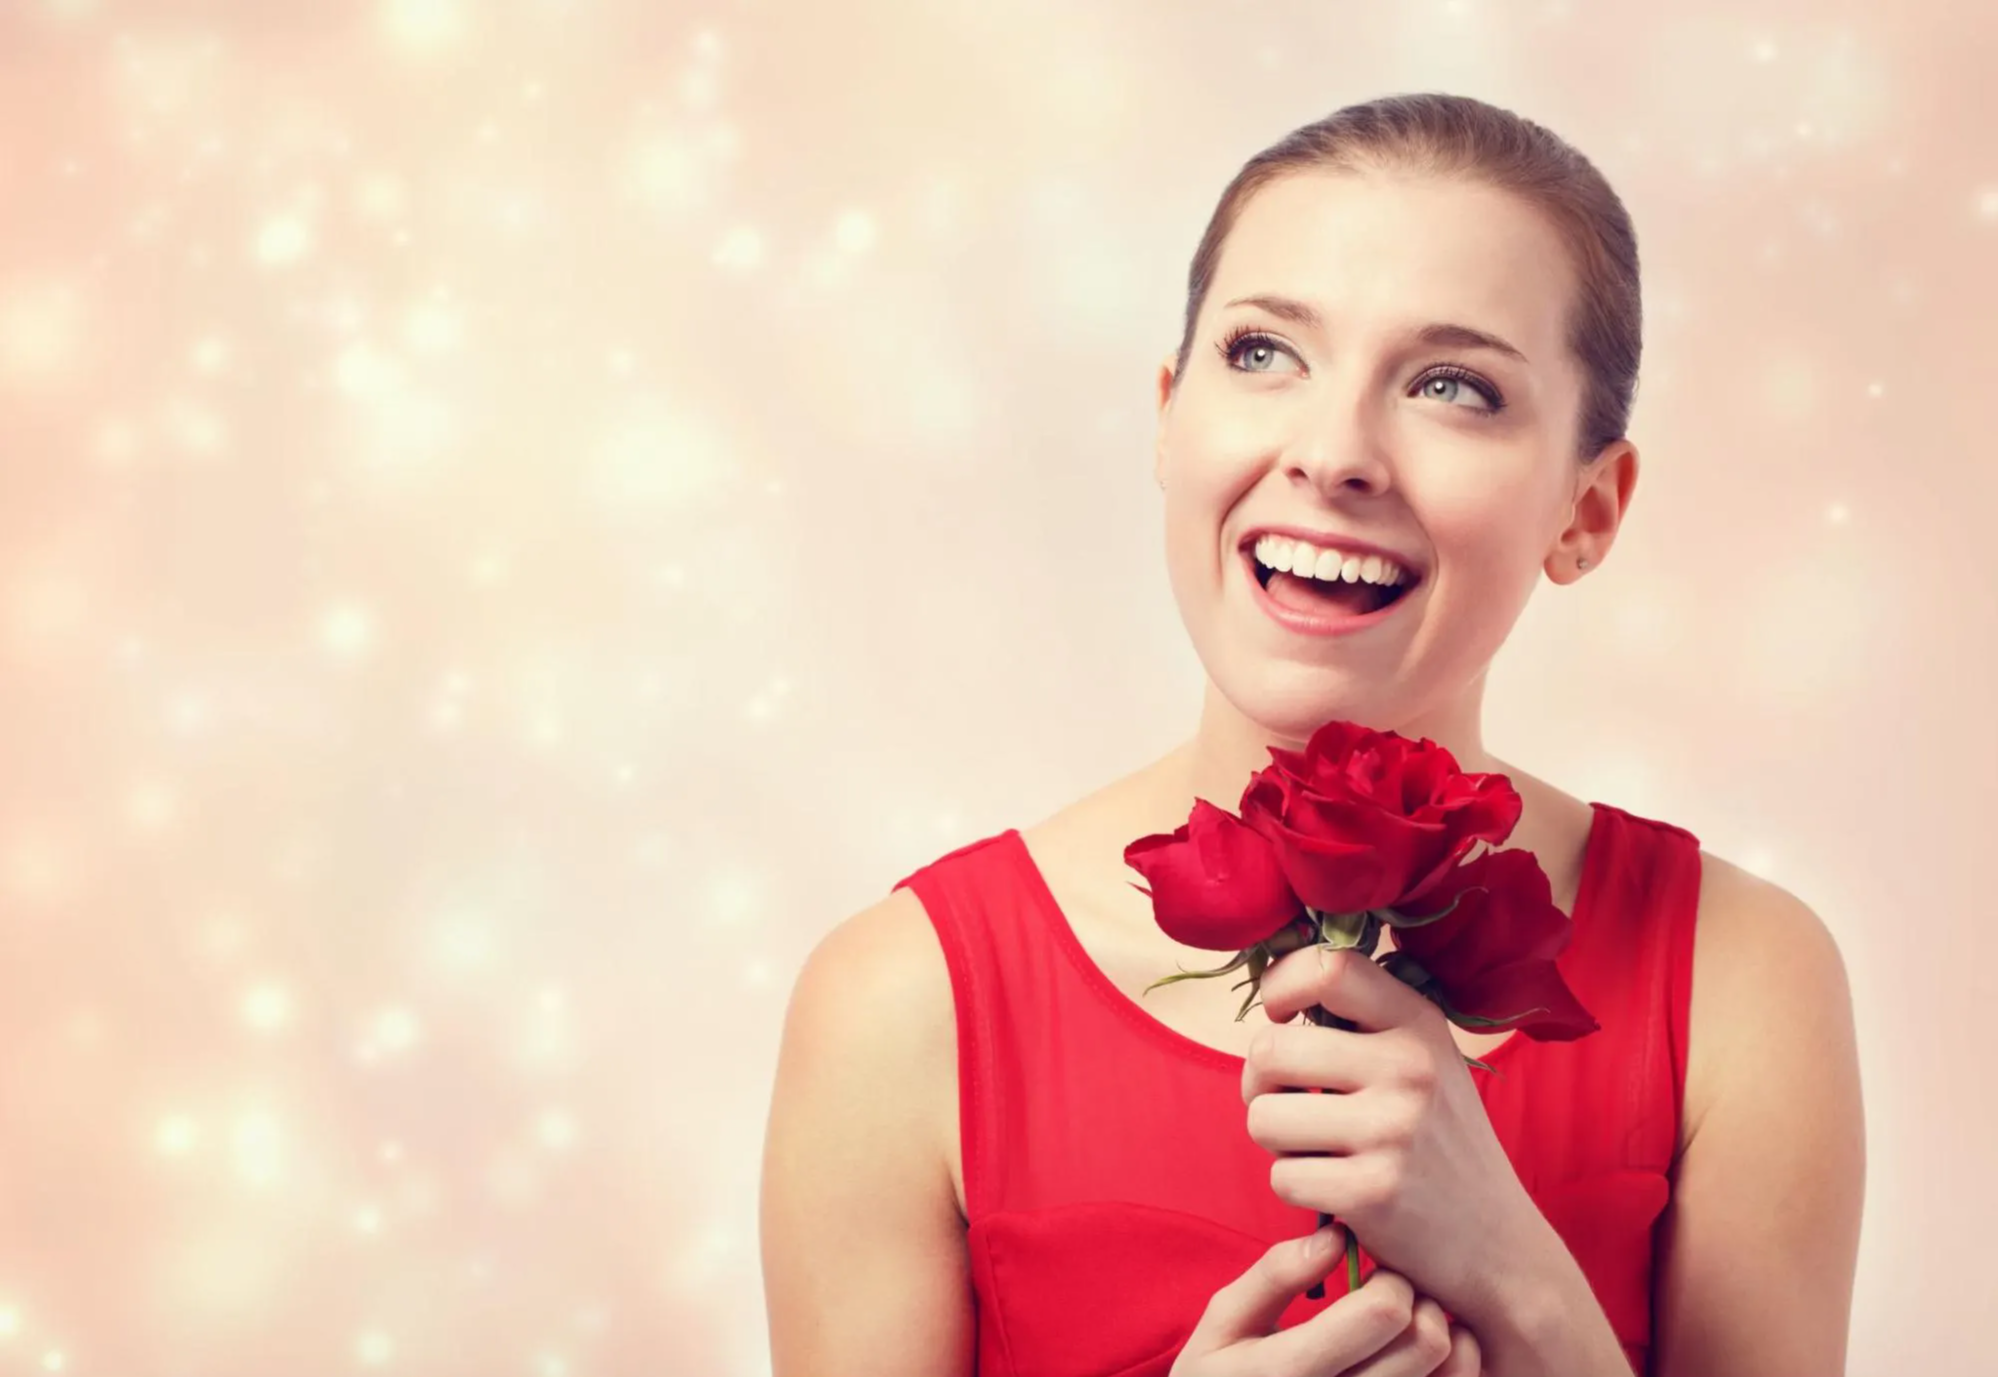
{"x":1289,"y":556}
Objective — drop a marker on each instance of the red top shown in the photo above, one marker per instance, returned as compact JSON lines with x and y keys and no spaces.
{"x":1112,"y":1186}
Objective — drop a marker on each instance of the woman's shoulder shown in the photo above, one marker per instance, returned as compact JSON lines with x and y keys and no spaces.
{"x":1749,"y":931}
{"x":870,"y":1024}
{"x":1772,"y":1110}
{"x":1755,"y":925}
{"x":1757,"y":945}
{"x":884,"y":957}
{"x":855,"y":1162}
{"x":1757,"y":948}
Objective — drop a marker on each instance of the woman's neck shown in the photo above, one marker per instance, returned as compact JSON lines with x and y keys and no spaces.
{"x":1216,"y":763}
{"x":1227,"y":748}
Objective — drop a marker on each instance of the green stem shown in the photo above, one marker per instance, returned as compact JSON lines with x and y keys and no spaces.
{"x":1318,"y":1291}
{"x":1339,"y":930}
{"x":1324,"y":1018}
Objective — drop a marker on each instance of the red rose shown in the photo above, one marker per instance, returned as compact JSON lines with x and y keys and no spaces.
{"x":1363,"y":818}
{"x":1493,"y":955}
{"x":1215,"y":883}
{"x":1369,"y":828}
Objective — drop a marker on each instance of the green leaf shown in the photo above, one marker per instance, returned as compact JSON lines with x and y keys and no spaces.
{"x":1172,"y":979}
{"x":1399,"y":921}
{"x":1370,"y":933}
{"x":1339,"y":931}
{"x":1242,"y":958}
{"x":1287,"y":939}
{"x":1465,"y":1020}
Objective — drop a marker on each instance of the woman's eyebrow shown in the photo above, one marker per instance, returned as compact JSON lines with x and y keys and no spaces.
{"x":1449,"y":336}
{"x":1284,"y":308}
{"x":1438,"y":334}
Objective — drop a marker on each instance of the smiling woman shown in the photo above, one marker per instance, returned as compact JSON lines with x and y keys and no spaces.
{"x":1398,"y":405}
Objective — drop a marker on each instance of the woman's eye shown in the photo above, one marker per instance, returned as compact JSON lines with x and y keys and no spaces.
{"x":1255,"y":353}
{"x":1450,"y":388}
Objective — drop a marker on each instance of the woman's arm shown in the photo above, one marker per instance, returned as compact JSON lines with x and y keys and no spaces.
{"x":1760,"y":1240}
{"x":864,"y":1262}
{"x":1763,"y":1233}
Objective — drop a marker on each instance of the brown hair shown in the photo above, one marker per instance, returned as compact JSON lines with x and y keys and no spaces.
{"x":1456,"y":136}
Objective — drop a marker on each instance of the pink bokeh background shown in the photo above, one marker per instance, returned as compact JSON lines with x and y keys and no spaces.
{"x":515,"y":518}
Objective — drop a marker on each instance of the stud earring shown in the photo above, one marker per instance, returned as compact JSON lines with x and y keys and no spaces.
{"x":1582,"y":563}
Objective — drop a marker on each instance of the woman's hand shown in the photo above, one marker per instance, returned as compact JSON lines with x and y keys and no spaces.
{"x":1381,"y":1330}
{"x":1403,"y":1153}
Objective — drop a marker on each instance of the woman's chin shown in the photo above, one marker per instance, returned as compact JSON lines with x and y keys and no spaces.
{"x":1293,"y":701}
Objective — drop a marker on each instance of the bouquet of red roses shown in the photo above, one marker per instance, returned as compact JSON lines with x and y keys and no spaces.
{"x":1365,"y":830}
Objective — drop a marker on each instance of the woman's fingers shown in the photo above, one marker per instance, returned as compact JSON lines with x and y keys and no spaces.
{"x":1251,"y":1304}
{"x":1466,"y":1359}
{"x":1383,"y":1329}
{"x":1346,"y":982}
{"x":1347,"y":1186}
{"x":1318,"y":1123}
{"x":1422,"y":1349}
{"x":1288,"y":1056}
{"x":1342,"y":1337}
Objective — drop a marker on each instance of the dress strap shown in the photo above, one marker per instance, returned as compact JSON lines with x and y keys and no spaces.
{"x":1646,"y":911}
{"x":957,"y":891}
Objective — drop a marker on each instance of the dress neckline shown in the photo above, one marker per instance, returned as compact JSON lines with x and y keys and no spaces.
{"x":1172,"y":1039}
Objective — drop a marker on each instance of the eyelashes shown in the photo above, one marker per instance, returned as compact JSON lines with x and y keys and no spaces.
{"x":1234,"y":343}
{"x":1494,"y":402}
{"x":1231,"y":345}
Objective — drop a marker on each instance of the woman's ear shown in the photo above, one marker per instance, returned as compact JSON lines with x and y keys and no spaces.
{"x":1602,"y":498}
{"x":1165,"y":385}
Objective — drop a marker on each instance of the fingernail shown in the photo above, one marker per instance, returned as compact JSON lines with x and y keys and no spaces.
{"x":1325,"y":1240}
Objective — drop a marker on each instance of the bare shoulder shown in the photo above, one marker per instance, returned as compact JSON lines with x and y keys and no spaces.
{"x":886,"y":961}
{"x":1746,"y":918}
{"x":854,"y":1170}
{"x":871,"y":1012}
{"x":1761,"y":1237}
{"x":1762,"y":957}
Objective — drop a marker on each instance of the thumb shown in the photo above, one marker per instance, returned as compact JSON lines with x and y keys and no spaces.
{"x":1249,"y":1306}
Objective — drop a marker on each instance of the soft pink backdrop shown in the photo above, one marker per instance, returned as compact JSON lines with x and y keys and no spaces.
{"x":516,"y":517}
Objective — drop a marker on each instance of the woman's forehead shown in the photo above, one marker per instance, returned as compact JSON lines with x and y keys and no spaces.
{"x":1373,"y":252}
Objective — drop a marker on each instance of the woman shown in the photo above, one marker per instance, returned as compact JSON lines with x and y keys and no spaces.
{"x":1399,"y":402}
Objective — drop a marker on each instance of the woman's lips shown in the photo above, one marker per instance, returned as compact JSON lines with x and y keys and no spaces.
{"x":1316,"y":624}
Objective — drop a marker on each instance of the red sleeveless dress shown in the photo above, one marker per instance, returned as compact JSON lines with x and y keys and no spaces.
{"x":1111,"y":1183}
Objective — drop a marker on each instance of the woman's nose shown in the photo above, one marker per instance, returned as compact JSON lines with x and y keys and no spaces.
{"x":1340,"y":454}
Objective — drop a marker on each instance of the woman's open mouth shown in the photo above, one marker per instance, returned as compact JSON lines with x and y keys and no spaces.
{"x":1352,"y":594}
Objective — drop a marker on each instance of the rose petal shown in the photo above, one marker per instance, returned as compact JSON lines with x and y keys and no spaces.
{"x":1494,"y":954}
{"x":1339,"y":856}
{"x":1505,"y":994}
{"x":1215,"y":883}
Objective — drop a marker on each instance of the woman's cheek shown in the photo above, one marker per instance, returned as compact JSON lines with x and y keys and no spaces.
{"x":1200,"y":469}
{"x":1477,"y":532}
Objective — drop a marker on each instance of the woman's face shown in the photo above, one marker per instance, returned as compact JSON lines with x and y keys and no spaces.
{"x":1334,"y":418}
